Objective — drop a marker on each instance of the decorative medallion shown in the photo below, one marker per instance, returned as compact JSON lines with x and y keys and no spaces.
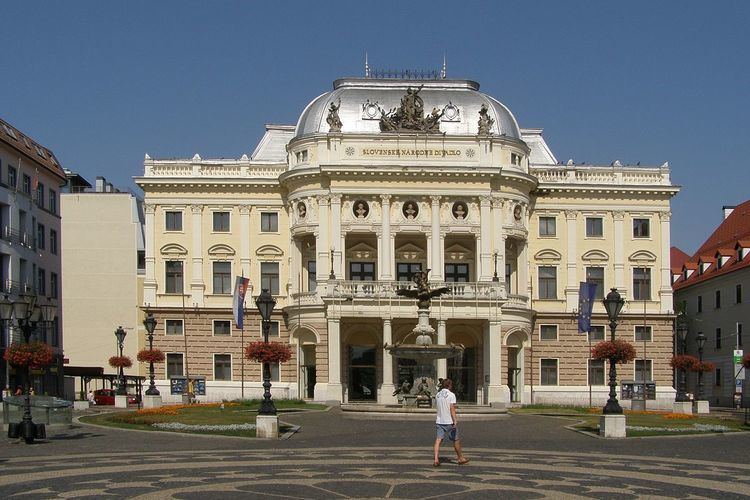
{"x":370,"y":110}
{"x":410,"y":210}
{"x":451,"y":113}
{"x":517,"y":212}
{"x":349,"y":151}
{"x":301,"y":210}
{"x":459,"y":210}
{"x":470,"y":153}
{"x":360,"y":209}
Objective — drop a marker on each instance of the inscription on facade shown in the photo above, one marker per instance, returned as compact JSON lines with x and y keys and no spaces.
{"x":428,"y":153}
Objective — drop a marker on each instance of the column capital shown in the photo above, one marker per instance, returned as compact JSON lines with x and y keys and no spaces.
{"x":618,"y":215}
{"x":196,"y":209}
{"x":485,"y":200}
{"x":435,"y":199}
{"x":244,"y":209}
{"x":385,"y":198}
{"x":322,"y":199}
{"x":335,"y":199}
{"x":665,"y":216}
{"x":497,"y":203}
{"x":386,"y":321}
{"x":571,"y":214}
{"x":149,"y":208}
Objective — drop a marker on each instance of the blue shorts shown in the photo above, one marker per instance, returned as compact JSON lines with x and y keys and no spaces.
{"x":447,"y":430}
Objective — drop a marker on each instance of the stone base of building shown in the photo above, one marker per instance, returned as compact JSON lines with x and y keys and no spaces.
{"x":121,"y":401}
{"x":685,"y":407}
{"x":701,"y":407}
{"x":267,"y":426}
{"x":152,"y":401}
{"x":612,"y":426}
{"x":579,"y":396}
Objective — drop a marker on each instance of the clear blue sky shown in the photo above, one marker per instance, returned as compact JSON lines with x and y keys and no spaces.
{"x":102,"y":83}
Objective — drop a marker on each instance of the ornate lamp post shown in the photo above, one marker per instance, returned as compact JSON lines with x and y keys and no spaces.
{"x":150,"y":324}
{"x":266,"y":303}
{"x":682,"y":331}
{"x":120,"y":335}
{"x":495,"y":277}
{"x":613,"y":303}
{"x":27,"y":314}
{"x":701,"y":340}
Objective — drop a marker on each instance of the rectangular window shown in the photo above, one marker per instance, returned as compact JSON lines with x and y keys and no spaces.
{"x":405,"y":270}
{"x":596,"y":372}
{"x":597,"y":333}
{"x":641,"y":228}
{"x":275,"y":372}
{"x":738,"y":294}
{"x":173,"y":276}
{"x":222,"y":327}
{"x":717,"y":299}
{"x":548,"y":332}
{"x":739,"y":334}
{"x":55,"y":332}
{"x":547,"y":226}
{"x":26,"y":184}
{"x":174,"y":365}
{"x":40,"y":236}
{"x":41,"y":282}
{"x":53,"y":285}
{"x":641,"y":283}
{"x":269,"y":277}
{"x":173,"y":221}
{"x":642,"y":370}
{"x":269,"y":222}
{"x":549,"y":371}
{"x":362,"y":271}
{"x":717,"y":377}
{"x":222,"y":367}
{"x":312,"y":275}
{"x":12,"y":176}
{"x":594,"y":227}
{"x":173,"y":327}
{"x":221,"y":222}
{"x":53,"y":241}
{"x":699,"y":305}
{"x":596,"y":275}
{"x":718,"y":338}
{"x":274,"y":330}
{"x":547,"y":282}
{"x":52,"y":201}
{"x":223,"y":278}
{"x":642,"y":333}
{"x":457,"y":273}
{"x":40,"y":194}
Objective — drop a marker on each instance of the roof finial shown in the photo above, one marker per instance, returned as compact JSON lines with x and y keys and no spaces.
{"x":367,"y":67}
{"x":443,"y":72}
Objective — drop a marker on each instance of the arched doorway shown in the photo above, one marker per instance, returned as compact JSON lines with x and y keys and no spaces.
{"x":514,"y":343}
{"x":462,"y":370}
{"x":307,"y":342}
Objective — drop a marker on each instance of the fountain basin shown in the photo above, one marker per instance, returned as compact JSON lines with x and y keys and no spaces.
{"x":425,"y":354}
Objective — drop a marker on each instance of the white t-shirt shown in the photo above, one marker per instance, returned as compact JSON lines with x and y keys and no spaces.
{"x":443,"y":400}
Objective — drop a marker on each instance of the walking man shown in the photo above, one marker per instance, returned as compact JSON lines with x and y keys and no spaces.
{"x":446,"y":422}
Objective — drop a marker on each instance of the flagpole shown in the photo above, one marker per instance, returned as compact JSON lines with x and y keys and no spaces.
{"x":242,"y":354}
{"x":588,"y":374}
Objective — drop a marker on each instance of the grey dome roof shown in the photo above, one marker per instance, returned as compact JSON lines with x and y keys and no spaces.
{"x":356,"y":93}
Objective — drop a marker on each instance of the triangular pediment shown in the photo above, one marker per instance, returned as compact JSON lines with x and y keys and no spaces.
{"x":173,"y":250}
{"x":362,"y":251}
{"x":409,"y":251}
{"x":548,"y":254}
{"x":458,"y":252}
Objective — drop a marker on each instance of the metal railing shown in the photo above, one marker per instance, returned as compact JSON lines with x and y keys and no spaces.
{"x":388,"y":289}
{"x":14,"y":236}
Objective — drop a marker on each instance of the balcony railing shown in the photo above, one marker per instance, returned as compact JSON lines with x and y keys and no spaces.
{"x":9,"y":287}
{"x":14,"y":236}
{"x":388,"y":289}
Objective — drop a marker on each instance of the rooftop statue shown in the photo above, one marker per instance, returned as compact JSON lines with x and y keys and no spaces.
{"x":333,"y":120}
{"x":409,"y":116}
{"x":485,"y":121}
{"x":423,"y":294}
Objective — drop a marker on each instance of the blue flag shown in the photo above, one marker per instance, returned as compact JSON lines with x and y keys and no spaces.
{"x":586,"y":294}
{"x":238,"y":302}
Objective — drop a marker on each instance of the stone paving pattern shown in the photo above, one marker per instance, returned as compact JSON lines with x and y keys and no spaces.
{"x":516,"y":456}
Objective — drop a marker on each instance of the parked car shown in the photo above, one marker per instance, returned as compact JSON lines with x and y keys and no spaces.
{"x":107,"y":397}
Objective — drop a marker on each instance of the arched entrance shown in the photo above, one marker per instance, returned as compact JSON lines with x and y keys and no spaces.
{"x":307,"y":342}
{"x":515,"y":375}
{"x":462,"y":370}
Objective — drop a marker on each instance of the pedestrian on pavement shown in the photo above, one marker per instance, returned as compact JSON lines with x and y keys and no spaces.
{"x":6,"y":392}
{"x":19,"y":391}
{"x":90,"y":397}
{"x":446,"y":420}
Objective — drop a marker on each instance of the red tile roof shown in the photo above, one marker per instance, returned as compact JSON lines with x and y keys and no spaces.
{"x":676,"y":259}
{"x":31,"y":149}
{"x":733,"y":230}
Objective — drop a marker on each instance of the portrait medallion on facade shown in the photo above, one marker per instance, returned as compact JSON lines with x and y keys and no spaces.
{"x":410,"y":210}
{"x":517,"y":212}
{"x":301,"y":210}
{"x":460,"y":210}
{"x":360,"y":209}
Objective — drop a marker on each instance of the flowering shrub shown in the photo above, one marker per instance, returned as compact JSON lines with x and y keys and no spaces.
{"x":616,"y":350}
{"x":33,"y":354}
{"x":683,"y":362}
{"x":746,"y":360}
{"x":268,"y":352}
{"x":120,"y":362}
{"x":150,"y":356}
{"x":704,"y":367}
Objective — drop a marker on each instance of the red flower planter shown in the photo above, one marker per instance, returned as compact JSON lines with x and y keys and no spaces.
{"x":616,"y":350}
{"x":120,"y":362}
{"x":684,"y":362}
{"x":33,"y":354}
{"x":268,"y":352}
{"x":704,"y":367}
{"x":150,"y":356}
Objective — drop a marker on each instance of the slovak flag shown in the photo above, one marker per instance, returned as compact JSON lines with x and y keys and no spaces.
{"x":238,"y":304}
{"x":586,"y":294}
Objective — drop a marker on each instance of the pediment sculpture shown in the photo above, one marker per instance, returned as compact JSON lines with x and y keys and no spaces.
{"x":410,"y":116}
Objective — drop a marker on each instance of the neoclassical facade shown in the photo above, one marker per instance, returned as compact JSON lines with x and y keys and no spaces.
{"x":381,"y":178}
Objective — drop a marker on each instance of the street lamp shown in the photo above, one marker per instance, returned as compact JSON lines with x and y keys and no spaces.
{"x":495,"y":277}
{"x":150,"y":324}
{"x":613,"y":303}
{"x":265,"y":303}
{"x":701,"y":340}
{"x":120,"y":335}
{"x":682,"y":331}
{"x":27,"y":314}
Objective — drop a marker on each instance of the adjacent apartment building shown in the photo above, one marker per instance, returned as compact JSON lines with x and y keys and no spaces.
{"x":710,"y":286}
{"x":30,"y":181}
{"x":382,"y":177}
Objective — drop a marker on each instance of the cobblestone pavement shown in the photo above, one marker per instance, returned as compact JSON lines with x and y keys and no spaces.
{"x":336,"y":457}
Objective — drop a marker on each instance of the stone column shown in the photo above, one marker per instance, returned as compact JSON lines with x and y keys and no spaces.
{"x":571,"y":288}
{"x":442,"y":364}
{"x":387,"y":387}
{"x":334,"y":360}
{"x":665,"y":289}
{"x":385,"y":238}
{"x":336,"y":235}
{"x":496,"y":389}
{"x":245,"y":241}
{"x":436,"y":251}
{"x":149,"y":282}
{"x":197,"y":285}
{"x":322,"y":242}
{"x":523,"y":268}
{"x":619,"y":257}
{"x":485,"y":237}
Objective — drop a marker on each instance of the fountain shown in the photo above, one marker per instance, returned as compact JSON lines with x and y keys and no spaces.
{"x":424,"y":351}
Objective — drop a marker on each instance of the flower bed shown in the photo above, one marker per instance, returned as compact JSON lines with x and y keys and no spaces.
{"x":268,"y":352}
{"x":33,"y":354}
{"x":616,"y":350}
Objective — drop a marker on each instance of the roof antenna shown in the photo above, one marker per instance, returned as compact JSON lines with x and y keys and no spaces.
{"x":367,"y":67}
{"x":443,"y":71}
